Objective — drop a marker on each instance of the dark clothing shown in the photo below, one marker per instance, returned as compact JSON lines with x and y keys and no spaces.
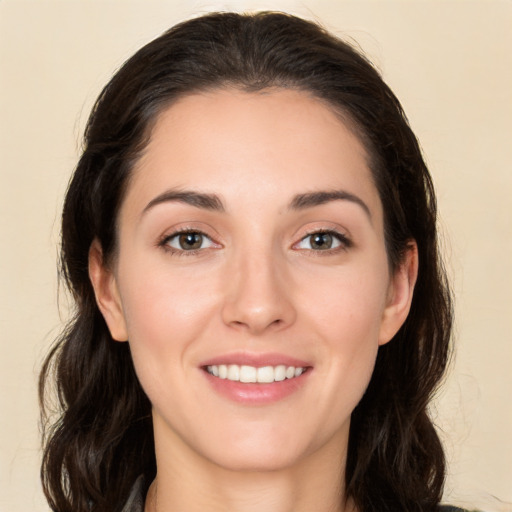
{"x":135,"y":502}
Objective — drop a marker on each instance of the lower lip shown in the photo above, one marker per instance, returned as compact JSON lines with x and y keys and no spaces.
{"x":254,"y":393}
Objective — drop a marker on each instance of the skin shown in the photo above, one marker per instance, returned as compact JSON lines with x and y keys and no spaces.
{"x":256,"y":285}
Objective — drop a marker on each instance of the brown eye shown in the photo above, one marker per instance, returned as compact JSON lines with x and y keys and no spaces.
{"x":190,"y":241}
{"x":321,"y":241}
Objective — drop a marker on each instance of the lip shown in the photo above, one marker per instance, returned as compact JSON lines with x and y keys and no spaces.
{"x":257,"y":360}
{"x":256,"y":393}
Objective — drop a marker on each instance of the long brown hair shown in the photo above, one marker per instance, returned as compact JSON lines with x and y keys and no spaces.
{"x":102,"y":439}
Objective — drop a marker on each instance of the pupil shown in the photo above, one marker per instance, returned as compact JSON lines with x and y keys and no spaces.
{"x":321,"y":241}
{"x":190,"y":241}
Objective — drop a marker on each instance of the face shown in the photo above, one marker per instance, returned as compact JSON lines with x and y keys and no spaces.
{"x":252,"y":280}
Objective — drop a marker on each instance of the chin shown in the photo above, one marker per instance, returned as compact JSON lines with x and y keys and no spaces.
{"x":274,"y":449}
{"x":257,"y":462}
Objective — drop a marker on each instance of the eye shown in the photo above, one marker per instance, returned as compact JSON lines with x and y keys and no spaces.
{"x":323,"y":241}
{"x":187,"y":241}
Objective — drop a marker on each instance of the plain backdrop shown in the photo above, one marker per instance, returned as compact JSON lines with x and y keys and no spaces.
{"x":450,"y":64}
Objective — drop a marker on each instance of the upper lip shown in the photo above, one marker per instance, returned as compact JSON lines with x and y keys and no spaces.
{"x":256,"y":360}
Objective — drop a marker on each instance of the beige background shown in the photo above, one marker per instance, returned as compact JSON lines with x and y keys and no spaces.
{"x":448,"y":61}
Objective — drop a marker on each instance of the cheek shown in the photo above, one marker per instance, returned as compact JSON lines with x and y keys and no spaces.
{"x":347,"y":318}
{"x":154,"y":295}
{"x":349,"y":304}
{"x":165,"y":312}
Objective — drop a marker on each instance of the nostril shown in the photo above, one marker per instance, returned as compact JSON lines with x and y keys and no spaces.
{"x":257,"y":325}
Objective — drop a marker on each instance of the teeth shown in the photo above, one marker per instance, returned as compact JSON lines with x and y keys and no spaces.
{"x":233,"y":372}
{"x":280,"y":372}
{"x":248,"y":374}
{"x":264,"y":374}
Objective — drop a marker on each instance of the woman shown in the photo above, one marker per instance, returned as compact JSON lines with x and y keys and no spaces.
{"x":262,"y":313}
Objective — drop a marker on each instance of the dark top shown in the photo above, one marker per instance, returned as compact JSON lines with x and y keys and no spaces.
{"x":135,"y":502}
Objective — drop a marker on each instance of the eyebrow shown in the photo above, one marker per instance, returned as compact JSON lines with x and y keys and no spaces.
{"x":311,"y":199}
{"x":197,"y":199}
{"x":214,"y":203}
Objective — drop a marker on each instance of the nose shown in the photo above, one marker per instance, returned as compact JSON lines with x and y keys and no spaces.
{"x":258,"y":295}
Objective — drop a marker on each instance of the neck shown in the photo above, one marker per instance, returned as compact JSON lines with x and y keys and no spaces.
{"x":186,"y":481}
{"x":256,"y":493}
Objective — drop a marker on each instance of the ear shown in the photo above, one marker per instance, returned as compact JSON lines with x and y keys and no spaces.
{"x":400,"y":294}
{"x":107,"y":293}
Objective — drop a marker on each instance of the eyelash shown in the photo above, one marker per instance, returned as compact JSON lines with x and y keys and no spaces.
{"x":164,"y":242}
{"x":344,"y":242}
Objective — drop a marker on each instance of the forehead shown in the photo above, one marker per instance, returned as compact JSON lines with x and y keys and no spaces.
{"x":271,"y":143}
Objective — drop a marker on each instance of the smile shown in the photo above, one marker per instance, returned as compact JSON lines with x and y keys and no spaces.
{"x":253,"y":374}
